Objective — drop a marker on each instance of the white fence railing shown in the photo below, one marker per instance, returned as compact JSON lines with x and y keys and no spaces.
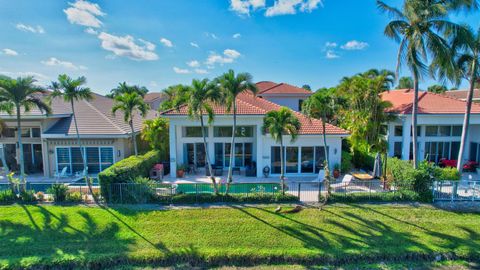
{"x":456,"y":190}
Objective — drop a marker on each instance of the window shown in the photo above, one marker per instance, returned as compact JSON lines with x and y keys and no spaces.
{"x":474,"y":152}
{"x":397,"y":149}
{"x":419,"y":131}
{"x":9,"y":133}
{"x":36,"y":132}
{"x":98,"y":159}
{"x":25,"y":132}
{"x":300,"y":103}
{"x":456,"y":130}
{"x":275,"y":162}
{"x":241,"y":132}
{"x":455,"y":148}
{"x":307,"y":160}
{"x":319,"y":158}
{"x":248,"y":154}
{"x":431,"y":131}
{"x":435,"y":151}
{"x":398,"y":131}
{"x":444,"y":131}
{"x":194,"y":154}
{"x":194,"y":132}
{"x":291,"y":160}
{"x":242,"y":156}
{"x":238,"y":155}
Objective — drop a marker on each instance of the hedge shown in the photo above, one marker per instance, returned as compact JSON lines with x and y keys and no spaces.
{"x":126,"y":170}
{"x":391,"y":196}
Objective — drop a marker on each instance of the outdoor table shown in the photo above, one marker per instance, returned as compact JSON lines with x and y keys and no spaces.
{"x":362,"y":176}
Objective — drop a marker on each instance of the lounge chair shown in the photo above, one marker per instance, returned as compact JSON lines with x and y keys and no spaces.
{"x":62,"y":174}
{"x":345,"y":182}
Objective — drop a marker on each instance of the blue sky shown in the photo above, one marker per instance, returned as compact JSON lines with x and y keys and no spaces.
{"x":157,"y":43}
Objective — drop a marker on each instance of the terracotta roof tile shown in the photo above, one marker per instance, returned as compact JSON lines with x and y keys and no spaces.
{"x":428,"y":103}
{"x":282,"y":88}
{"x":149,"y":97}
{"x":248,"y":104}
{"x":462,"y":94}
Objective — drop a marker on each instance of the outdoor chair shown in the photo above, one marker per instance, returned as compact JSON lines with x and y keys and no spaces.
{"x":62,"y":174}
{"x":345,"y":182}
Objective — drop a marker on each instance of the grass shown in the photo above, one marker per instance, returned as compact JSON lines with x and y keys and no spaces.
{"x":36,"y":236}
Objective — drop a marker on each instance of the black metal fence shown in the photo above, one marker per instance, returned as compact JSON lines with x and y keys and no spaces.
{"x":456,"y":190}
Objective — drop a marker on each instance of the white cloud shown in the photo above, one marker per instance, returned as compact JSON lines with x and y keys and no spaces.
{"x":153,"y":84}
{"x":193,"y":44}
{"x":354,"y":45}
{"x":284,"y":7}
{"x":126,"y":46}
{"x":84,"y":13}
{"x":9,"y":52}
{"x":41,"y":78}
{"x":193,"y":63}
{"x":91,"y":31}
{"x":329,"y":44}
{"x":229,"y":56}
{"x":331,"y":54}
{"x":244,"y":7}
{"x":166,"y":42}
{"x":180,"y":70}
{"x":231,"y":53}
{"x":237,"y":35}
{"x":29,"y":28}
{"x":211,"y":35}
{"x":201,"y":71}
{"x":52,"y":61}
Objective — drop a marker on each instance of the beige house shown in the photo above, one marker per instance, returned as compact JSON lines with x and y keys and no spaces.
{"x":50,"y":141}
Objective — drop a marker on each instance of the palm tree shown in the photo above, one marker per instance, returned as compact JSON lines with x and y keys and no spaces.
{"x":200,"y":97}
{"x":279,"y":123}
{"x":231,"y":86}
{"x":18,"y":94}
{"x":173,"y":97}
{"x":468,"y":62}
{"x":129,"y":103}
{"x":155,"y":132}
{"x":405,"y":83}
{"x":417,"y":27}
{"x":71,"y":91}
{"x":320,"y":105}
{"x":123,"y":88}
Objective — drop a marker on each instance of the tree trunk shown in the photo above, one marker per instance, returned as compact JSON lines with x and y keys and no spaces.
{"x":209,"y":164}
{"x":232,"y":147}
{"x":20,"y":147}
{"x":414,"y":120}
{"x":282,"y":165}
{"x":327,"y":164}
{"x":466,"y":120}
{"x":82,"y":152}
{"x":134,"y":138}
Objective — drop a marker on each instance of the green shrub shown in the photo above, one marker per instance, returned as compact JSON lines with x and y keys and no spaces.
{"x":126,"y":170}
{"x":28,"y":196}
{"x":363,"y":160}
{"x":346,"y":162}
{"x":59,"y":192}
{"x":7,"y":196}
{"x":447,"y":173}
{"x":404,"y":177}
{"x":391,"y":196}
{"x":74,"y":197}
{"x":231,"y":198}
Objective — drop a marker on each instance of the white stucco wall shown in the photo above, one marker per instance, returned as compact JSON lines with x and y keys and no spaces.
{"x":261,"y":143}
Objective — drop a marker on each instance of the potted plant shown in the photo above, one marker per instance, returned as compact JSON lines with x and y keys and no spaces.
{"x":336,"y":170}
{"x":181,"y":168}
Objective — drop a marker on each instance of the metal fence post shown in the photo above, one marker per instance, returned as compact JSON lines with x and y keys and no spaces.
{"x":196,"y":193}
{"x":299,"y":187}
{"x":319,"y":191}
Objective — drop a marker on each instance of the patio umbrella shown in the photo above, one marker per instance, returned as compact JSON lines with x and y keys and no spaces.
{"x":377,"y":167}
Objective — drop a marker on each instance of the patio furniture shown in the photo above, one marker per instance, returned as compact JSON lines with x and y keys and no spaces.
{"x":345,"y":182}
{"x":192,"y":169}
{"x":251,"y":170}
{"x":236,"y":169}
{"x":62,"y":174}
{"x":362,"y":176}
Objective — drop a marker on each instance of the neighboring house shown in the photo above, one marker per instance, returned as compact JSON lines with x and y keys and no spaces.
{"x":154,"y":99}
{"x":440,"y":120}
{"x":462,"y":94}
{"x":252,"y":147}
{"x":283,"y":94}
{"x":50,"y":141}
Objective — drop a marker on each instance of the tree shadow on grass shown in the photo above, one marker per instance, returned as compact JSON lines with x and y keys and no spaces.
{"x":51,"y":237}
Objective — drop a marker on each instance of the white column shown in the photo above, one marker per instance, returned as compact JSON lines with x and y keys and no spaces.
{"x":173,"y":150}
{"x":406,"y":138}
{"x":259,"y":148}
{"x":211,"y":146}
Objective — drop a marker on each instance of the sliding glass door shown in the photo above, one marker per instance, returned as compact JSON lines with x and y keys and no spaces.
{"x":242,"y":154}
{"x":195,"y":154}
{"x":98,"y":159}
{"x":305,"y":159}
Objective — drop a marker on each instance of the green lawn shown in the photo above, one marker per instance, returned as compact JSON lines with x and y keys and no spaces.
{"x":47,"y":235}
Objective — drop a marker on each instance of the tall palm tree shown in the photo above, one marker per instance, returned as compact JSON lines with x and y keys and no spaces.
{"x":418,"y":27}
{"x":231,"y":86}
{"x":123,"y":88}
{"x":405,"y":83}
{"x":71,"y":91}
{"x":200,"y":97}
{"x":22,"y":93}
{"x":468,"y":62}
{"x":320,"y":105}
{"x":279,"y":123}
{"x":129,"y":104}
